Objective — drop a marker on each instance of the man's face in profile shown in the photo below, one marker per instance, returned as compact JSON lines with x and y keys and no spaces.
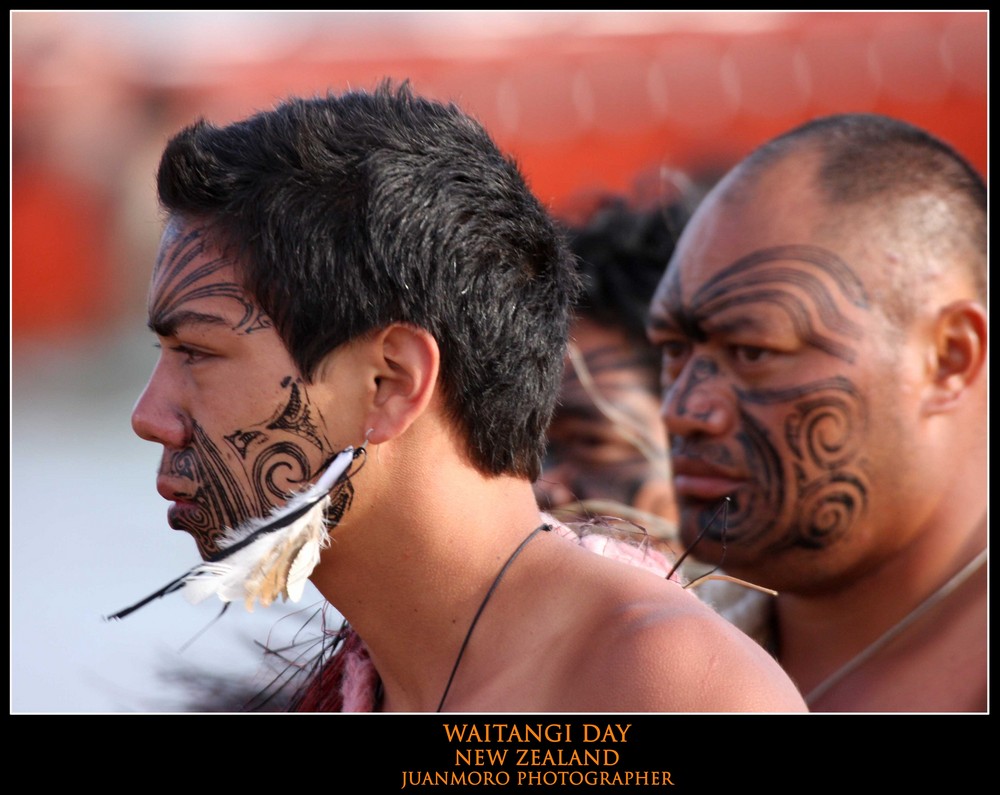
{"x":238,"y":429}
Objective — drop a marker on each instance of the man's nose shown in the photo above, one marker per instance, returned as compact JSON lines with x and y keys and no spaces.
{"x":158,"y":417}
{"x":698,"y":401}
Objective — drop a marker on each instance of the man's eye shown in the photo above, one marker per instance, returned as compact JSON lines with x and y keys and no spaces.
{"x":674,"y":349}
{"x":673,"y":353}
{"x":589,"y":441}
{"x":191,"y":355}
{"x":749,"y":354}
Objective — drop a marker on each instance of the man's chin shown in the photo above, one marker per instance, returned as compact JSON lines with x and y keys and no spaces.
{"x":707,"y":533}
{"x":707,"y":519}
{"x":190,"y":519}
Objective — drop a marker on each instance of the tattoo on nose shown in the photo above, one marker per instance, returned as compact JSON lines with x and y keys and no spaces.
{"x":702,"y":370}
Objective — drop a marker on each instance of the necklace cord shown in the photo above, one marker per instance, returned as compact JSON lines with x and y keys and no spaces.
{"x":479,"y":612}
{"x":883,"y":640}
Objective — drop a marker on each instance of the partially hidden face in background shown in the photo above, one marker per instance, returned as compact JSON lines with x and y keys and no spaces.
{"x":607,"y":441}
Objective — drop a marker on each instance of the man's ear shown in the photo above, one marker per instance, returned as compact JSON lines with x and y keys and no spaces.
{"x":958,"y":354}
{"x":405,"y":361}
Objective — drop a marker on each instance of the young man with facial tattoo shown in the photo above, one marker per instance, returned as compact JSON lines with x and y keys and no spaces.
{"x":367,"y":272}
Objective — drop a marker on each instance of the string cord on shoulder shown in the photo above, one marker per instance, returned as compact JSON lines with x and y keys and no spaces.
{"x":724,"y":508}
{"x":479,"y":612}
{"x":897,"y":629}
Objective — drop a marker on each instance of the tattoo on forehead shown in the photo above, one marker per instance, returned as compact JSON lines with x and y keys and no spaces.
{"x":755,"y":278}
{"x":173,"y":286}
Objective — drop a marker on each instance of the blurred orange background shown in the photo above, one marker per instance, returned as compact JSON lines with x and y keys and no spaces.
{"x":586,"y":101}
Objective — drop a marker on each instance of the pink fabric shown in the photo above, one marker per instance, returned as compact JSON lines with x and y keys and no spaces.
{"x":347,"y":682}
{"x":643,"y":557}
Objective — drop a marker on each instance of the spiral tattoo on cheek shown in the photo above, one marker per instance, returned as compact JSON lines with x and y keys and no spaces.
{"x":823,"y":489}
{"x":257,"y":469}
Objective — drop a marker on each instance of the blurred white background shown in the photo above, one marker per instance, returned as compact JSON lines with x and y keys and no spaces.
{"x":89,"y":537}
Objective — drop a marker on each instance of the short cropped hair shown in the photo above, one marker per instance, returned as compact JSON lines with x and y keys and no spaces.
{"x":882,"y":166}
{"x":347,"y":213}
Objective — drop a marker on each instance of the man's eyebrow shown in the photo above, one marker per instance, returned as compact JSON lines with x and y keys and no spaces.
{"x":660,"y":323}
{"x":167,"y":325}
{"x":732,"y":325}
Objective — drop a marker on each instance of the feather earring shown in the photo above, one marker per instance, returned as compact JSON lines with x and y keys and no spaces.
{"x":267,"y":557}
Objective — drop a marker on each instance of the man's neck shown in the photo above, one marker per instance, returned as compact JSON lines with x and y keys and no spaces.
{"x":412,"y":566}
{"x":856,"y":630}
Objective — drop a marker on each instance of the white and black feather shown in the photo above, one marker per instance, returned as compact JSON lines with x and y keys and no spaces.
{"x":265,"y":557}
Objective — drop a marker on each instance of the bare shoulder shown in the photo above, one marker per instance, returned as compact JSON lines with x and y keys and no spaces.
{"x":655,"y":647}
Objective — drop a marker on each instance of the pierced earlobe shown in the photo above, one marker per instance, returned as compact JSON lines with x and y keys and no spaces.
{"x":405,"y":361}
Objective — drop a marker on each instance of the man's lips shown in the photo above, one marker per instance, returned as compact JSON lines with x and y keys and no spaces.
{"x":696,"y":480}
{"x":180,"y":496}
{"x":172,"y":491}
